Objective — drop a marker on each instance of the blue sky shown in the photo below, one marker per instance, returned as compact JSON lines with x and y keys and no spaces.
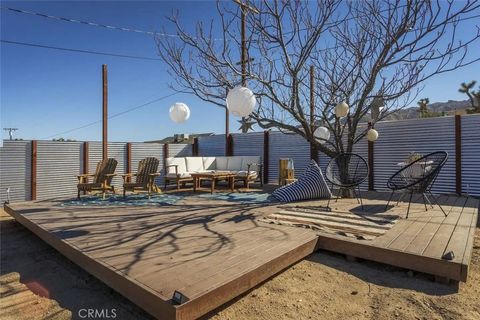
{"x":45,"y":92}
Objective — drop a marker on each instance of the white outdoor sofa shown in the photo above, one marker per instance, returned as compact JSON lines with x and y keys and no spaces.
{"x":246,"y":168}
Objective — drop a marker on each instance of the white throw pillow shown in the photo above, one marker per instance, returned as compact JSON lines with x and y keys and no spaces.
{"x":209,"y":163}
{"x":246,"y":160}
{"x":180,"y":162}
{"x":194,"y":164}
{"x":234,"y":163}
{"x":222,"y":163}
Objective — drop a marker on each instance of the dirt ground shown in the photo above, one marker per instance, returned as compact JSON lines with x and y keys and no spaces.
{"x":39,"y":283}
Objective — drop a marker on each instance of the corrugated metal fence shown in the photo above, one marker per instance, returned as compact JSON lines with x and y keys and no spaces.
{"x":397,"y":139}
{"x":58,"y":163}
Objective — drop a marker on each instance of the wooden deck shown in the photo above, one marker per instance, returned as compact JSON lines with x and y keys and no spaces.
{"x":212,"y":251}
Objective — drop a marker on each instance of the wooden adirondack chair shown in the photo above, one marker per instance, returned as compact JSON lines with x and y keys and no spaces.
{"x":102,"y":178}
{"x":144,"y":178}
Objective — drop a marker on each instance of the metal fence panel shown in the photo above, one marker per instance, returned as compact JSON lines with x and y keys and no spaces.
{"x":58,"y":163}
{"x":471,"y":154}
{"x":15,"y":170}
{"x":287,"y":146}
{"x":179,"y":150}
{"x":211,"y":146}
{"x":398,"y":138}
{"x":248,"y":144}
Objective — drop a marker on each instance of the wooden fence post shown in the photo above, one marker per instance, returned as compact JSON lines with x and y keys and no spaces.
{"x":229,"y":151}
{"x":371,"y":167}
{"x":371,"y":162}
{"x":85,"y":160}
{"x":128,"y":168}
{"x":458,"y":154}
{"x":266,"y":138}
{"x":165,"y":151}
{"x":195,"y":147}
{"x":33,"y":171}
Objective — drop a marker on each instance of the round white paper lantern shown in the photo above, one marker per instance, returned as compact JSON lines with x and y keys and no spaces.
{"x":179,"y":112}
{"x":322,"y":134}
{"x":241,"y":101}
{"x":341,"y":109}
{"x":372,"y":135}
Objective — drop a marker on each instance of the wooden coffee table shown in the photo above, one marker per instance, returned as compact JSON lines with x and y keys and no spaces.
{"x":213,"y":176}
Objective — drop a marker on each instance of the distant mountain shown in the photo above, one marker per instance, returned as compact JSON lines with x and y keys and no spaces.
{"x":448,"y":108}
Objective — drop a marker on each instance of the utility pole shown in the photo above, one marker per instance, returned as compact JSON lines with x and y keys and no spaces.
{"x":227,"y":123}
{"x":313,"y":149}
{"x":104,"y":113}
{"x":10,"y":132}
{"x":244,"y":55}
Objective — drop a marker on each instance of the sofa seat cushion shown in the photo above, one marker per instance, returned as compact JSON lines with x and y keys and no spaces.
{"x":179,"y":162}
{"x":180,"y":175}
{"x":311,"y":185}
{"x":194,"y":164}
{"x":243,"y":173}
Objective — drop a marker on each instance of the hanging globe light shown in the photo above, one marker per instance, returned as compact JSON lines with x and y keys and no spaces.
{"x":372,"y":135}
{"x":341,"y":109}
{"x":179,"y":112}
{"x":322,"y":134}
{"x":241,"y":101}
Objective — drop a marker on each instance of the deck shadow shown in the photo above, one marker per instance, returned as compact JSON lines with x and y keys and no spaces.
{"x":390,"y":276}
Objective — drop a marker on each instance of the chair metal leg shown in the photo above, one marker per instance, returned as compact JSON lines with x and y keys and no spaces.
{"x":428,"y":200}
{"x":409,"y":202}
{"x":401,"y":197}
{"x":328,"y":202}
{"x":360,"y":197}
{"x":436,"y":202}
{"x":389,"y":199}
{"x":424,"y":201}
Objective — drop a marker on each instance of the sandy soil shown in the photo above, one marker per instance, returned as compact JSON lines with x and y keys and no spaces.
{"x":39,"y":283}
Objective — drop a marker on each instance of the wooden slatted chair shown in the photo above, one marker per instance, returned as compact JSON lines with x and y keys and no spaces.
{"x":144,"y":178}
{"x":102,"y":178}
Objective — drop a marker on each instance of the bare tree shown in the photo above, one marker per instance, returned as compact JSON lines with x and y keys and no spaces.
{"x":363,"y":52}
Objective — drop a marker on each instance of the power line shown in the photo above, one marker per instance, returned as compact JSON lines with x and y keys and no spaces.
{"x":95,"y":24}
{"x":112,"y":116}
{"x":88,"y":23}
{"x":79,"y":50}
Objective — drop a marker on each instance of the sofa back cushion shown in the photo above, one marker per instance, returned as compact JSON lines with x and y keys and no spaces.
{"x":222,"y":163}
{"x":180,"y":162}
{"x":209,"y":163}
{"x":194,"y":164}
{"x":234,"y":163}
{"x":246,"y":160}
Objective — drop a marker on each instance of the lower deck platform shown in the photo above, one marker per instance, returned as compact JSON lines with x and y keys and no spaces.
{"x":214,"y":250}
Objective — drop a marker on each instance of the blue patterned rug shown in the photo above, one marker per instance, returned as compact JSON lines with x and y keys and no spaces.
{"x":139,"y":200}
{"x":241,"y":197}
{"x":132,"y":200}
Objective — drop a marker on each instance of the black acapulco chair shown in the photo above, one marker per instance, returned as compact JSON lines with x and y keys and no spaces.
{"x":347,"y":171}
{"x":418,"y":177}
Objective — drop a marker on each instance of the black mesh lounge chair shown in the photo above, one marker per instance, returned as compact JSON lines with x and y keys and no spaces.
{"x":418,"y":177}
{"x":347,"y":171}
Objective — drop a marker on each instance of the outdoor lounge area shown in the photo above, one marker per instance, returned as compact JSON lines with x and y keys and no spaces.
{"x":211,"y":248}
